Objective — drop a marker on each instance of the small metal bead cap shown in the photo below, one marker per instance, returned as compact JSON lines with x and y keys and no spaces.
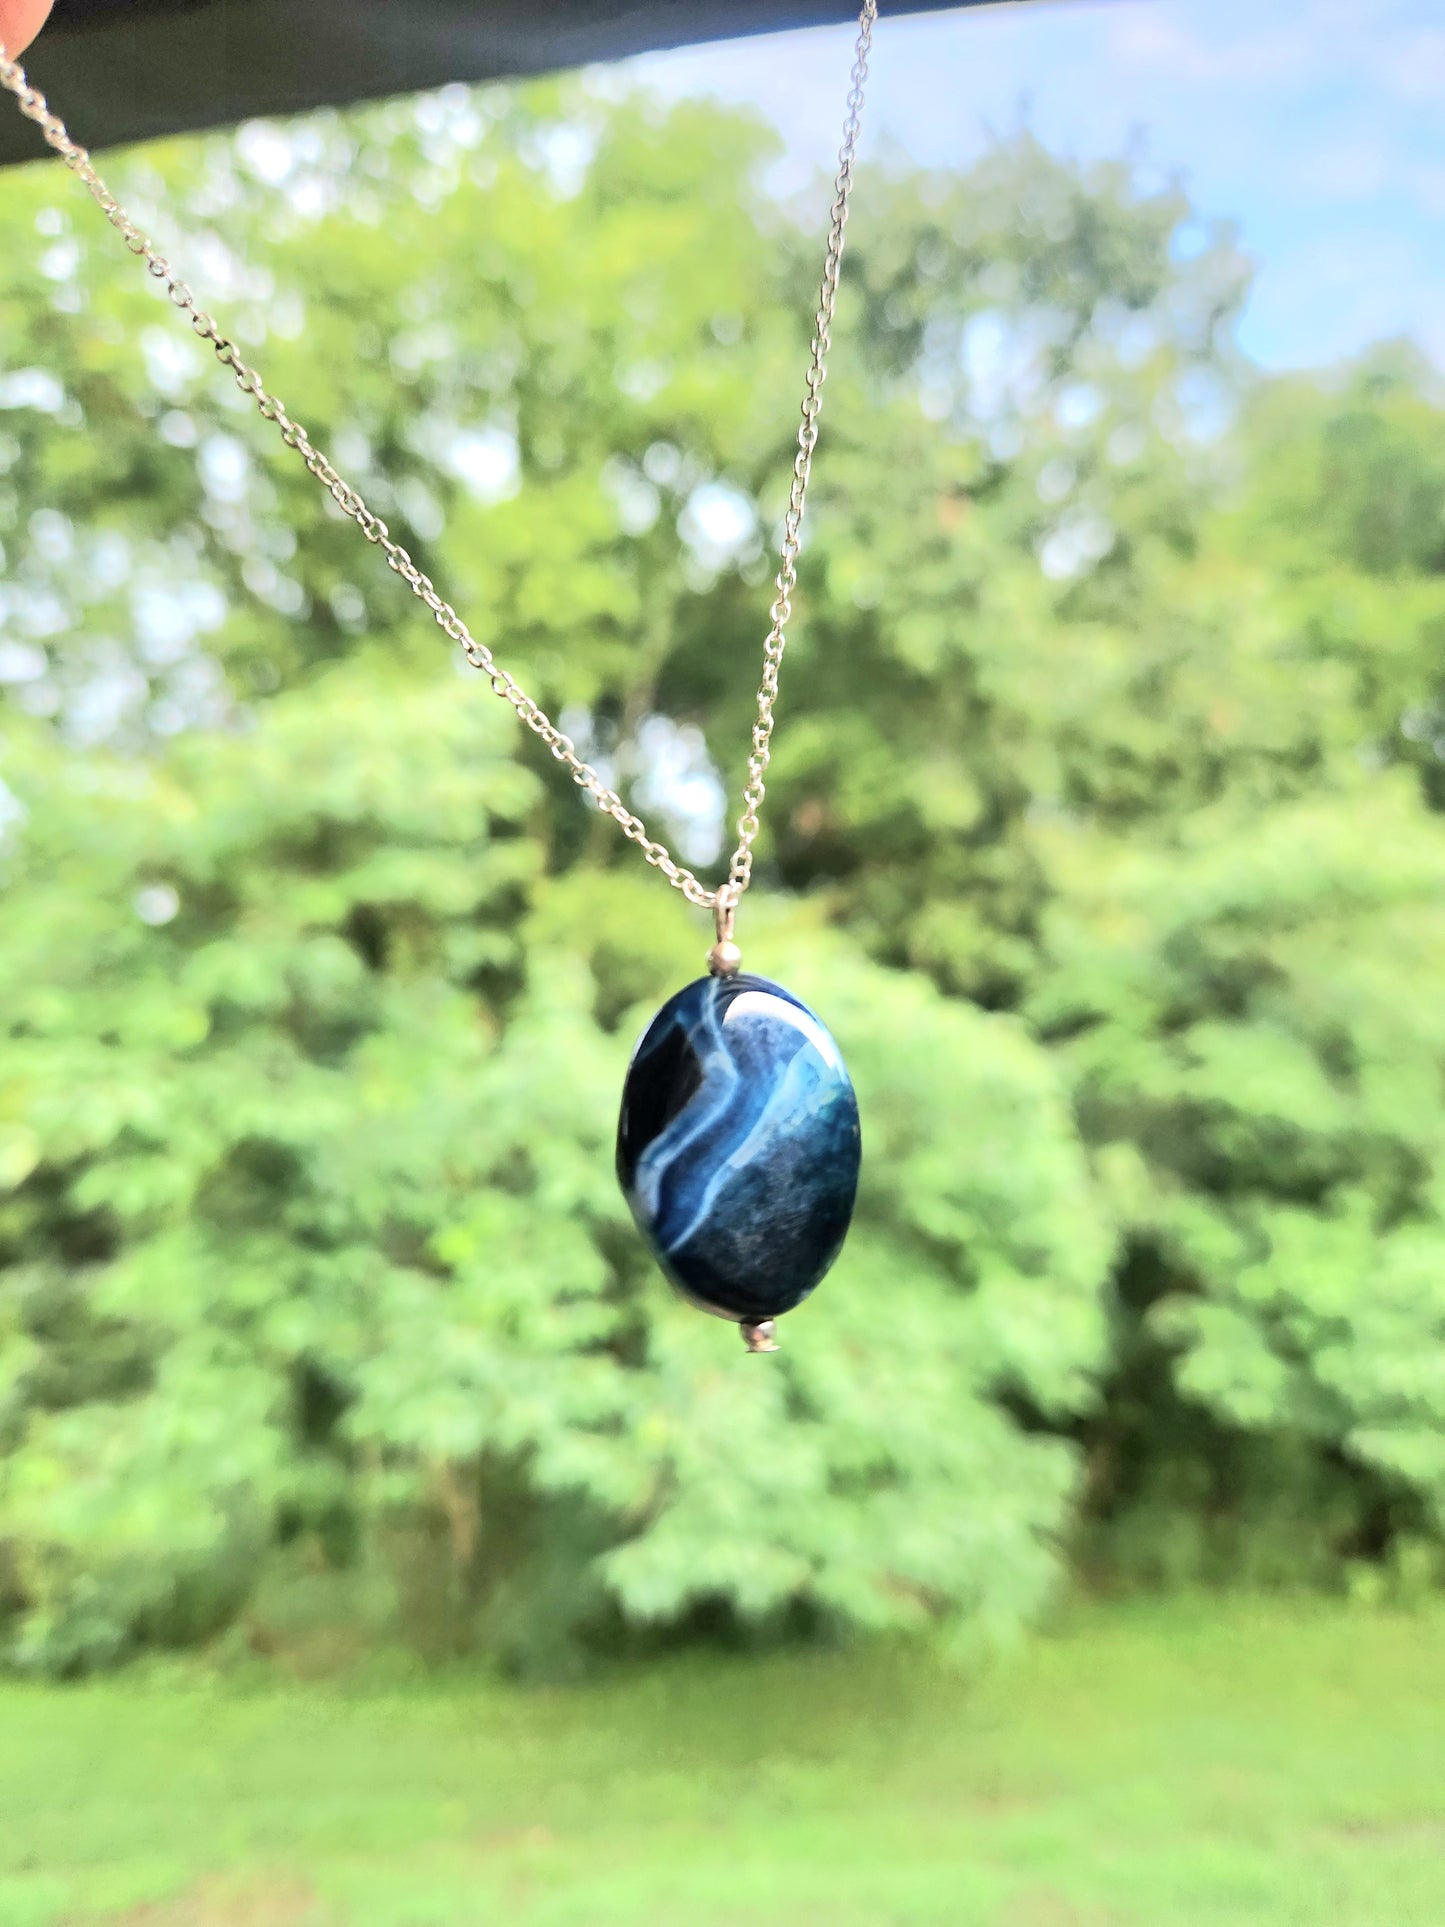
{"x":762,"y":1337}
{"x":724,"y":958}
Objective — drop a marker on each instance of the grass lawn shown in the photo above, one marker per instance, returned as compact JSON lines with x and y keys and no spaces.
{"x":1202,"y":1763}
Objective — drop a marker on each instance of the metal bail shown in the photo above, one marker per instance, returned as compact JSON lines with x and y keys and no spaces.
{"x":724,"y":957}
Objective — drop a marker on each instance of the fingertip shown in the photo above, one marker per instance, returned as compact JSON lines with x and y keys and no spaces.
{"x":20,"y":21}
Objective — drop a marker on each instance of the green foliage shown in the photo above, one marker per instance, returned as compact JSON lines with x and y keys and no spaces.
{"x":1360,"y":478}
{"x":1105,"y":816}
{"x":311,"y":1234}
{"x":1262,"y":1082}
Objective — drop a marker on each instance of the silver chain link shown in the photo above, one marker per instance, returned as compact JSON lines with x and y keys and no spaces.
{"x":725,"y":897}
{"x":740,"y":870}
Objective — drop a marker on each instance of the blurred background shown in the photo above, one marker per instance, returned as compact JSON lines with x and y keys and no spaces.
{"x":380,"y":1542}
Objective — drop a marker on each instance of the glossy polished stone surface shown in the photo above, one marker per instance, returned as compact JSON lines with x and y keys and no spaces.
{"x":738,"y":1145}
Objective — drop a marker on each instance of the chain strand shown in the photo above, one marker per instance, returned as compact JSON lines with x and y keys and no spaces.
{"x":724,"y":899}
{"x":740,"y":870}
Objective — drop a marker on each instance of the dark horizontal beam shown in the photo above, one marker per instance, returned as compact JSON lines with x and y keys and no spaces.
{"x":129,"y":70}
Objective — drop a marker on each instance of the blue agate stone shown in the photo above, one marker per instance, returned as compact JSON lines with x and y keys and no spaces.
{"x":738,"y":1146}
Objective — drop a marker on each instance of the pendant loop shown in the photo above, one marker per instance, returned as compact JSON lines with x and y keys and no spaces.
{"x":724,"y":957}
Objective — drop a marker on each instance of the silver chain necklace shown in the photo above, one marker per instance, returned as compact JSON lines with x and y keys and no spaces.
{"x":738,"y":1145}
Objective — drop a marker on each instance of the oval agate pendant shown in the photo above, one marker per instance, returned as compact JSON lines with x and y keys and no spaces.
{"x":738,"y":1148}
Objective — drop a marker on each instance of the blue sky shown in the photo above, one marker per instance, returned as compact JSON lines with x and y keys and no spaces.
{"x":1319,"y":125}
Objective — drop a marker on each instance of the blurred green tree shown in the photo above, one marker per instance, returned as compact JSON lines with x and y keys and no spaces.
{"x":310,"y":1234}
{"x":1113,"y":744}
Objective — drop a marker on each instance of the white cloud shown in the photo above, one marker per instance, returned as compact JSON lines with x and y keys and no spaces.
{"x":1354,"y":169}
{"x":1413,"y":69}
{"x":1316,"y":123}
{"x":1158,"y":38}
{"x":1427,"y":183}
